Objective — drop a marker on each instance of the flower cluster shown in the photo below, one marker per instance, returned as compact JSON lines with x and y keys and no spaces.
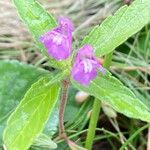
{"x":58,"y":42}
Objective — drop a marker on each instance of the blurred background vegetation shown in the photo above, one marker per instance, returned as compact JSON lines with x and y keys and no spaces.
{"x":130,"y":64}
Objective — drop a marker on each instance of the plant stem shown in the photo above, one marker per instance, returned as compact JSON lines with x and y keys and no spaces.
{"x":92,"y":124}
{"x":63,"y":102}
{"x":96,"y":110}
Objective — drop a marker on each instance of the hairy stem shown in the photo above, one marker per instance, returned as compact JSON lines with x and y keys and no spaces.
{"x":96,"y":110}
{"x":63,"y":102}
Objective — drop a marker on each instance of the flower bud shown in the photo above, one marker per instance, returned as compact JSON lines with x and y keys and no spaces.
{"x":81,"y":96}
{"x":110,"y":112}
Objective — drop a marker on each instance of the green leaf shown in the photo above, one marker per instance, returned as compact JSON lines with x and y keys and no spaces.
{"x":15,"y":79}
{"x":30,"y":117}
{"x":39,"y":21}
{"x":118,"y":28}
{"x":52,"y":125}
{"x":35,"y":17}
{"x":43,"y":142}
{"x":110,"y":90}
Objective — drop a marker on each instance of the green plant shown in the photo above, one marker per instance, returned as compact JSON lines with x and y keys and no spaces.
{"x":40,"y":100}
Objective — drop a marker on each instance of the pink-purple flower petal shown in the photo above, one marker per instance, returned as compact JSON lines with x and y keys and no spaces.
{"x":58,"y":41}
{"x":86,"y":66}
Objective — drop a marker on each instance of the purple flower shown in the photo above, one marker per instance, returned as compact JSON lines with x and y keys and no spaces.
{"x":86,"y":66}
{"x":58,"y":41}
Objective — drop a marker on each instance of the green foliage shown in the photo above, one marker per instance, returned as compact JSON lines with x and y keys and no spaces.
{"x":39,"y":104}
{"x":39,"y":21}
{"x":15,"y":79}
{"x":110,"y":90}
{"x":35,"y":17}
{"x":118,"y":28}
{"x":31,"y":115}
{"x":51,"y":126}
{"x":43,"y":142}
{"x":143,"y":44}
